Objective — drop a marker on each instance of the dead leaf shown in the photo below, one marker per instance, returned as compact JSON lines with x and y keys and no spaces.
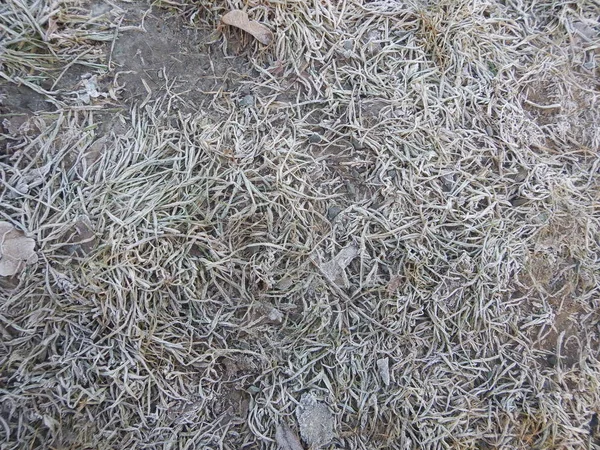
{"x":394,"y":284}
{"x":315,"y":420}
{"x":18,"y":125}
{"x":584,"y":30}
{"x":90,"y":89}
{"x":336,"y":267}
{"x":83,"y":236}
{"x":286,"y":438}
{"x":239,"y":19}
{"x":23,"y":183}
{"x":16,"y":250}
{"x":94,"y":152}
{"x":383,"y":365}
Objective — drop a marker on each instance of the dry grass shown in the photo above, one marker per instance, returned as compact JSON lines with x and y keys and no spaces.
{"x":456,"y":144}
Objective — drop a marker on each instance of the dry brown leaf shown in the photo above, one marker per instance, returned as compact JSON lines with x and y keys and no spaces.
{"x":239,"y":19}
{"x":335,"y":268}
{"x":394,"y":284}
{"x":286,"y":438}
{"x":81,"y":237}
{"x":16,"y":250}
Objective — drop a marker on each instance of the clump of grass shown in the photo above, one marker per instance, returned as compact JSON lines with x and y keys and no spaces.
{"x":203,"y":315}
{"x":43,"y":39}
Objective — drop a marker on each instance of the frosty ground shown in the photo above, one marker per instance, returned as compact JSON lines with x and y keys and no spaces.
{"x":381,"y":230}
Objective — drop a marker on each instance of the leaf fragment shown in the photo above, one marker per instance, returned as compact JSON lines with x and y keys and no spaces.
{"x":315,"y":420}
{"x":286,"y":438}
{"x":334,"y":269}
{"x":16,"y":250}
{"x":383,"y":365}
{"x":238,"y":18}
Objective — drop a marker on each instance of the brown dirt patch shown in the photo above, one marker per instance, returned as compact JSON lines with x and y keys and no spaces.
{"x":554,"y":284}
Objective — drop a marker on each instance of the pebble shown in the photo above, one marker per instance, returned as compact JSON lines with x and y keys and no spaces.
{"x":247,"y":100}
{"x":314,"y":138}
{"x":333,"y":212}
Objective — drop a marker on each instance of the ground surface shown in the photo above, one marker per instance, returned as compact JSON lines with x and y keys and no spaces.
{"x":380,"y":231}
